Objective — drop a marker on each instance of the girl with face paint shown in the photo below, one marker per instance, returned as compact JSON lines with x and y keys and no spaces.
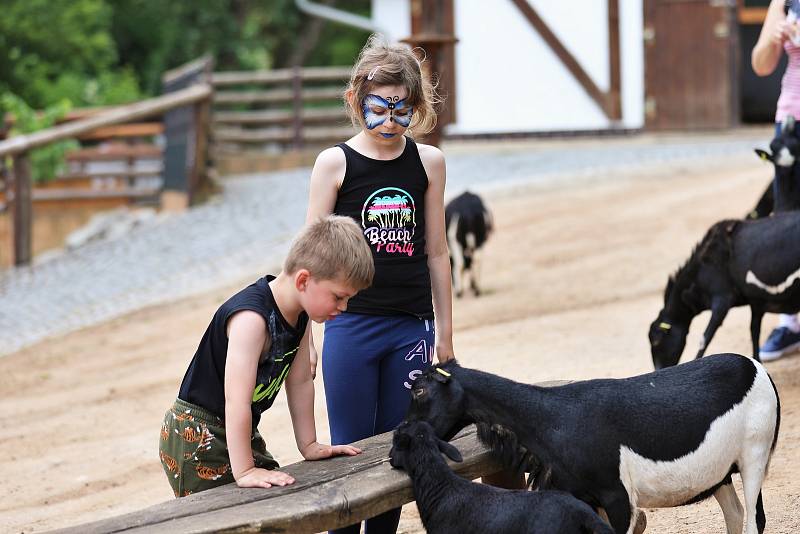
{"x":394,"y":189}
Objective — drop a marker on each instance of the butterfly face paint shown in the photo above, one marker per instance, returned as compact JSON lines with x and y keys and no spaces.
{"x":376,"y":110}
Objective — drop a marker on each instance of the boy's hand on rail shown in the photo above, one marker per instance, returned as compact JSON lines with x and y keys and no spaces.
{"x":263,"y":478}
{"x":317,"y":451}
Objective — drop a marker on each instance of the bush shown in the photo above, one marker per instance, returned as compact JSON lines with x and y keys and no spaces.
{"x":46,"y":162}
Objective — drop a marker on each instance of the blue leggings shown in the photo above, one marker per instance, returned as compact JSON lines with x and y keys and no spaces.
{"x":368,"y":365}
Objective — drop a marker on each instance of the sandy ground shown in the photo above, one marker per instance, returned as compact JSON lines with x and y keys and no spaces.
{"x":573,"y":277}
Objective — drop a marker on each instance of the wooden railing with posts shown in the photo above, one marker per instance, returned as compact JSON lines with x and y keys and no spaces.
{"x":271,"y":112}
{"x":17,"y":150}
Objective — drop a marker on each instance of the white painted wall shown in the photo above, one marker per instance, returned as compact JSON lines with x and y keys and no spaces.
{"x":508,"y":79}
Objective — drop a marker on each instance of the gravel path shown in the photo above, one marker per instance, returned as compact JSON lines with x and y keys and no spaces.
{"x":246,"y":230}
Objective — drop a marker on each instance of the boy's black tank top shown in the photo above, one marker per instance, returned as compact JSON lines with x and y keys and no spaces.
{"x":387,"y":198}
{"x":204,"y":382}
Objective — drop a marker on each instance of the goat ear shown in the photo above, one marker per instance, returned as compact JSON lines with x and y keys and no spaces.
{"x":764,"y":155}
{"x":450,"y":451}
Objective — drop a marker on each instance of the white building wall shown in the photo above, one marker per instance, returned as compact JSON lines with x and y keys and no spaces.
{"x":509,"y":80}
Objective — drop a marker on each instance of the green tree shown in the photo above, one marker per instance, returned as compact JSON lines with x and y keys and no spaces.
{"x":56,"y":49}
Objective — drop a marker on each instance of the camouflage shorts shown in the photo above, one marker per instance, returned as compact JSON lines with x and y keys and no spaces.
{"x":194,"y":453}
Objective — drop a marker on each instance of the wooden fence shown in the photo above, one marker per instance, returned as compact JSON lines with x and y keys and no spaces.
{"x":19,"y":192}
{"x":261,"y":120}
{"x":274,"y":113}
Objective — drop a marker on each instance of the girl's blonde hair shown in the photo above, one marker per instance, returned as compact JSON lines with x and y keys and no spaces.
{"x":332,"y":248}
{"x":381,"y":63}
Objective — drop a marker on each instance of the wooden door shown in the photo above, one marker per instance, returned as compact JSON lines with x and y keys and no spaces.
{"x":691,"y":64}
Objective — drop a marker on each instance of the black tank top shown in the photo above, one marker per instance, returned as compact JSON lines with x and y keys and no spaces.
{"x":387,"y":198}
{"x":204,"y":381}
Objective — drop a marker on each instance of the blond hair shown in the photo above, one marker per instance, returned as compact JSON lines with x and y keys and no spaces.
{"x":332,"y":248}
{"x":381,"y":63}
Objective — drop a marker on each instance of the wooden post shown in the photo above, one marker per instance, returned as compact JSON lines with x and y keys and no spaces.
{"x":432,"y":29}
{"x":185,"y":132}
{"x":297,"y":107}
{"x":202,"y":119}
{"x":21,"y":209}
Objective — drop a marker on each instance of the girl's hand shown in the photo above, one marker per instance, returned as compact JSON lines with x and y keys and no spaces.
{"x":317,"y":451}
{"x":783,"y":32}
{"x":263,"y":478}
{"x":444,"y":352}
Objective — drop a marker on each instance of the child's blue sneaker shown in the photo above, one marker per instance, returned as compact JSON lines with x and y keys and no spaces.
{"x":780,"y":342}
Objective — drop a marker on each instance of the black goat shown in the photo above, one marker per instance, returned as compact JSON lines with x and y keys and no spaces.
{"x":754,"y":262}
{"x":783,"y":193}
{"x":450,"y":504}
{"x":468,"y":223}
{"x":662,"y":439}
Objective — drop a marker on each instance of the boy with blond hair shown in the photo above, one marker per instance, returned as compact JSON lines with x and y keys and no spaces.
{"x":256,"y":340}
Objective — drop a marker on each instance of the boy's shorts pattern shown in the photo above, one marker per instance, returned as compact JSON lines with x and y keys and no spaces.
{"x":194,"y":453}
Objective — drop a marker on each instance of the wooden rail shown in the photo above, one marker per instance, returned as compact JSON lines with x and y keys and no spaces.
{"x":21,"y":144}
{"x":327,"y":494}
{"x":272,"y":111}
{"x":17,"y":149}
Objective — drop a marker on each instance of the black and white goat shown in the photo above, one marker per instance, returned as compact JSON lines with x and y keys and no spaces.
{"x":468,"y":223}
{"x":783,"y":193}
{"x":753,"y":262}
{"x":662,"y":439}
{"x":450,"y":504}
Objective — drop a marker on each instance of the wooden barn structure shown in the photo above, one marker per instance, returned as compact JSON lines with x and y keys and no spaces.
{"x":538,"y":66}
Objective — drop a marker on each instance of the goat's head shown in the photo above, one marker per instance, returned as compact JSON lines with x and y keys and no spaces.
{"x":668,"y":332}
{"x":784,"y":147}
{"x":438,"y":398}
{"x":667,"y":340}
{"x":414,"y":436}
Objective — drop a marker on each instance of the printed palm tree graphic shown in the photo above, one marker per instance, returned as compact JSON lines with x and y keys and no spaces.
{"x":390,"y":211}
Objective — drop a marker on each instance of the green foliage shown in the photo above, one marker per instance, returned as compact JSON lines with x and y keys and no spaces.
{"x":48,"y":161}
{"x":56,"y":49}
{"x":105,"y":52}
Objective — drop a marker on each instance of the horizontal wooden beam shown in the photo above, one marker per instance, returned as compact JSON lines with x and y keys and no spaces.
{"x":328,"y":494}
{"x":74,"y":193}
{"x":751,"y":15}
{"x":276,"y":95}
{"x":278,"y":116}
{"x":220,"y":79}
{"x":265,"y":135}
{"x":139,"y":129}
{"x":118,"y":115}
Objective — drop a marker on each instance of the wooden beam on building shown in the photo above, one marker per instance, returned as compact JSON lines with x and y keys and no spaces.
{"x":614,"y":96}
{"x":609,"y":101}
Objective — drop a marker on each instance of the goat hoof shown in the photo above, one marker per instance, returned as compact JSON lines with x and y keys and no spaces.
{"x":641,"y":522}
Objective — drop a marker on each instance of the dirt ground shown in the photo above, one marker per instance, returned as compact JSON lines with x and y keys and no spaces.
{"x":573,"y":277}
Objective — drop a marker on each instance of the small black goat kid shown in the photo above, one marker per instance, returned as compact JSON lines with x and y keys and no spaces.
{"x":663,"y":439}
{"x":450,"y":504}
{"x":783,"y":193}
{"x":468,"y":223}
{"x":753,"y":262}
